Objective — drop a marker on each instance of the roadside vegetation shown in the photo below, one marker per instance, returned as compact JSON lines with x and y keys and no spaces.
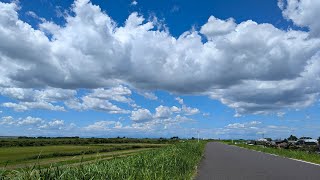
{"x":176,"y":161}
{"x":45,"y":141}
{"x":301,"y":154}
{"x":13,"y":157}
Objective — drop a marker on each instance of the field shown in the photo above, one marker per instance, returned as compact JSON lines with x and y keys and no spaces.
{"x":16,"y":157}
{"x":175,"y":161}
{"x":21,"y":153}
{"x":295,"y":154}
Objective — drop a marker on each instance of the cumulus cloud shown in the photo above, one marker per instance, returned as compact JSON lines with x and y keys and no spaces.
{"x":251,"y":67}
{"x":141,"y":115}
{"x":25,"y":106}
{"x":216,"y":27}
{"x":119,"y":93}
{"x":36,"y":99}
{"x":91,"y":103}
{"x":7,"y":120}
{"x":99,"y":100}
{"x":30,"y":121}
{"x":29,"y":94}
{"x":187,"y":110}
{"x":103,"y":125}
{"x":302,"y":13}
{"x":35,"y":123}
{"x":164,"y":114}
{"x":52,"y":125}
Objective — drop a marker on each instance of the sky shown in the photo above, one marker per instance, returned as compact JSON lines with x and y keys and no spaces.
{"x":223,"y":69}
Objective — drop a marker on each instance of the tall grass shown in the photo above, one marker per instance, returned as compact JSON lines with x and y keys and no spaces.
{"x":173,"y":162}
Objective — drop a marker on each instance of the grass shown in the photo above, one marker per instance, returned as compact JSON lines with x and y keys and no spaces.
{"x":15,"y":156}
{"x":176,"y":161}
{"x":295,"y":154}
{"x":46,"y":141}
{"x":74,"y":160}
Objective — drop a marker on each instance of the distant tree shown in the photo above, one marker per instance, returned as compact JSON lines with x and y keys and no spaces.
{"x":292,"y":138}
{"x":193,"y":138}
{"x":319,"y":140}
{"x":174,"y":138}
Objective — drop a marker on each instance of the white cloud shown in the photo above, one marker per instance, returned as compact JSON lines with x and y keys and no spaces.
{"x":35,"y":16}
{"x":254,"y":130}
{"x":235,"y":125}
{"x":103,"y":125}
{"x":36,"y":99}
{"x":216,"y":27}
{"x":7,"y":120}
{"x":92,"y":103}
{"x":25,"y":106}
{"x":189,"y":110}
{"x":251,"y":67}
{"x":134,"y":3}
{"x":246,"y":125}
{"x":35,"y":123}
{"x":118,"y":93}
{"x":180,"y":100}
{"x":175,"y":109}
{"x":141,"y":115}
{"x":29,"y":94}
{"x":52,"y":125}
{"x":99,"y":99}
{"x":163,"y":112}
{"x":30,"y":121}
{"x":148,"y":95}
{"x":303,"y":13}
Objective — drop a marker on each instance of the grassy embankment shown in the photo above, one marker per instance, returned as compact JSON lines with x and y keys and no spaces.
{"x":295,"y":154}
{"x":17,"y":157}
{"x":177,"y":161}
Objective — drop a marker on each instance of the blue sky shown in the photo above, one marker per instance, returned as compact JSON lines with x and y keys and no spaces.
{"x":225,"y":69}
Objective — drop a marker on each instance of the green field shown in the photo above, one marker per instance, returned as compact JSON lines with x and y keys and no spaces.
{"x":176,"y":161}
{"x":17,"y":157}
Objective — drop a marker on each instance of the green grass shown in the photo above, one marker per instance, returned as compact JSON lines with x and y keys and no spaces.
{"x":295,"y":154}
{"x":74,"y":160}
{"x":23,"y":142}
{"x":11,"y":156}
{"x":176,"y":161}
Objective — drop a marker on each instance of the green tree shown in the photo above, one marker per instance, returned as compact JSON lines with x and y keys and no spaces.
{"x":292,"y":138}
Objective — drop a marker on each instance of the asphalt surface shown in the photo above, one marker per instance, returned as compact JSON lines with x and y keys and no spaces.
{"x":224,"y":162}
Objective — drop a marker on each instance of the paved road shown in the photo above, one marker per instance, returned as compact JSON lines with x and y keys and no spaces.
{"x":224,"y":162}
